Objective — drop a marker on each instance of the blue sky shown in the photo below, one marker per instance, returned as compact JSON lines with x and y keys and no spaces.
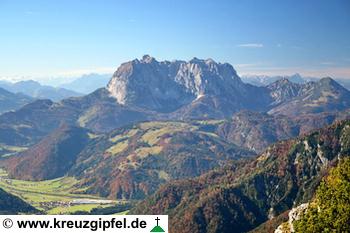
{"x":70,"y":37}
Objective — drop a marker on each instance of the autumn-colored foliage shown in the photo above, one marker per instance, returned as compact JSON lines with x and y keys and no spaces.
{"x":330,"y":209}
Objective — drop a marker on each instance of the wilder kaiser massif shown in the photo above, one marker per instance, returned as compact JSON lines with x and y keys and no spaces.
{"x":184,"y":138}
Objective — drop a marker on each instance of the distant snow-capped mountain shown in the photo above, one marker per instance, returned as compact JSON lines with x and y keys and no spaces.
{"x":36,"y":90}
{"x":264,"y":80}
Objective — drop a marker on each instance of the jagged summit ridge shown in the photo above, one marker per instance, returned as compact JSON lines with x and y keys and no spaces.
{"x":156,"y":85}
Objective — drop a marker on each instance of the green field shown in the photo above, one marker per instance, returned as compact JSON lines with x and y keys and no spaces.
{"x":154,"y":130}
{"x":57,"y":196}
{"x":73,"y":208}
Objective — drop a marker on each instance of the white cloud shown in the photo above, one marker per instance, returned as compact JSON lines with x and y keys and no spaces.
{"x":251,"y":45}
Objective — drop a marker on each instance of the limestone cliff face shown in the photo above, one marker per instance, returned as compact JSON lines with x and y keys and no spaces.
{"x":293,"y":215}
{"x":166,"y":86}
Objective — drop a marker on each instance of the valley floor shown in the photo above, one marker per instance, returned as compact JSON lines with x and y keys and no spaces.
{"x":57,"y":196}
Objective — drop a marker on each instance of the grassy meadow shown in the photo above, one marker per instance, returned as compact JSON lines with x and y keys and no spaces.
{"x":57,"y":196}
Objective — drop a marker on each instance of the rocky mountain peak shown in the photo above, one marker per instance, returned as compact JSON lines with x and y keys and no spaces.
{"x":283,"y":90}
{"x":166,"y":85}
{"x":147,"y":59}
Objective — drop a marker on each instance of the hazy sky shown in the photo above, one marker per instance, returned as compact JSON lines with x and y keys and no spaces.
{"x":70,"y":37}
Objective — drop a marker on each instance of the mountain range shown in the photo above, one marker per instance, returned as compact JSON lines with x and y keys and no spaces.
{"x":296,"y":99}
{"x":37,"y":91}
{"x":199,"y":89}
{"x":185,"y":138}
{"x":264,"y":80}
{"x":204,"y":88}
